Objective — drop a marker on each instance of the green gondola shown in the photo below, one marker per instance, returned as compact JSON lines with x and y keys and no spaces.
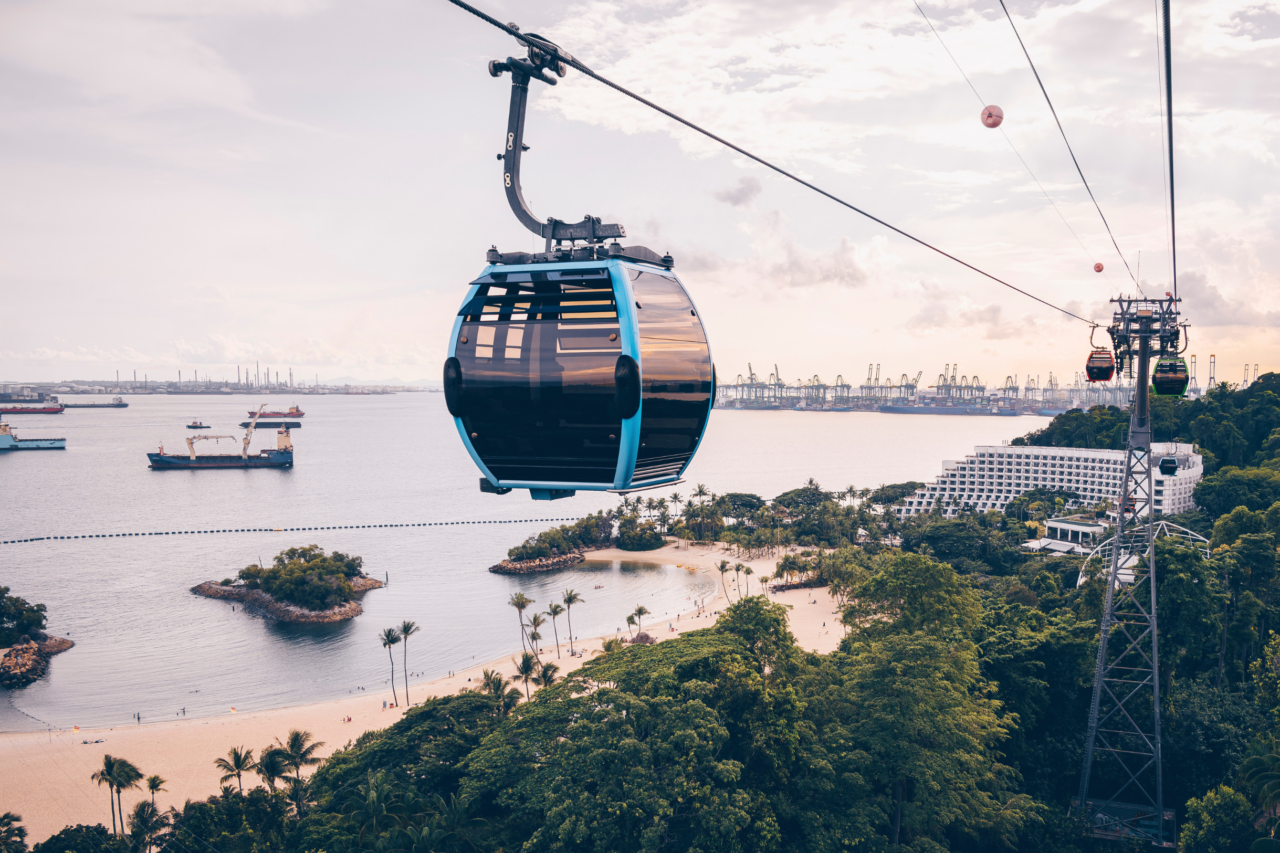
{"x":1170,"y":377}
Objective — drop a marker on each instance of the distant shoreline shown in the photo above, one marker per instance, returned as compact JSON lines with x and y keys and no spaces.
{"x":257,"y":601}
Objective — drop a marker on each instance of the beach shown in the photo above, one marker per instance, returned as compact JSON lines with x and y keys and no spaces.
{"x":45,"y":775}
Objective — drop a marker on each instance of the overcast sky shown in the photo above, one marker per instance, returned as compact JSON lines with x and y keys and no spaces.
{"x":311,"y":184}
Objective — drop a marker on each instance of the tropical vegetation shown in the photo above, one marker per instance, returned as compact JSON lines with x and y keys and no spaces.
{"x":306,"y":577}
{"x":19,"y":618}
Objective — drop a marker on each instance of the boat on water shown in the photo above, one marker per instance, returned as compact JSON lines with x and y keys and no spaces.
{"x":116,"y":403}
{"x":988,"y":411}
{"x":202,"y":425}
{"x":279,"y":457}
{"x":9,"y":441}
{"x":294,"y":412}
{"x":46,"y":409}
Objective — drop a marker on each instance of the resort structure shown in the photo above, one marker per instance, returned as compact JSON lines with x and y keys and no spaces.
{"x":992,"y":476}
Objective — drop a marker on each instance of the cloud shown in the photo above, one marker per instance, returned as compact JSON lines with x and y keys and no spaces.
{"x":1204,"y":305}
{"x":743,"y":193}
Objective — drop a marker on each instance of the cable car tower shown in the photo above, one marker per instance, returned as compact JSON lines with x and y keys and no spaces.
{"x":1121,"y":786}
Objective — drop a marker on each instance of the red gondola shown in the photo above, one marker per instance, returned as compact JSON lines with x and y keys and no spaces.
{"x":1100,"y":367}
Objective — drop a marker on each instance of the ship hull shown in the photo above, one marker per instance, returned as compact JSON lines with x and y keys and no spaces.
{"x":266,"y":459}
{"x":949,"y":410}
{"x":10,"y":443}
{"x":95,"y":405}
{"x":30,"y":410}
{"x":279,"y":414}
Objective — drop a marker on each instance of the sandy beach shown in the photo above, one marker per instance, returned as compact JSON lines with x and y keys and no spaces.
{"x":44,"y":776}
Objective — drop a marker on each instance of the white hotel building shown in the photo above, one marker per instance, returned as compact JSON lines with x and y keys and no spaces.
{"x":992,"y":476}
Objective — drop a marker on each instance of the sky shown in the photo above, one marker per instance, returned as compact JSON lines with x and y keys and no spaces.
{"x":311,"y":184}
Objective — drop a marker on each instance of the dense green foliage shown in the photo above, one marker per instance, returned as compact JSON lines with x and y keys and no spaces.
{"x":306,"y":577}
{"x":591,"y":532}
{"x":19,"y":618}
{"x":891,"y":494}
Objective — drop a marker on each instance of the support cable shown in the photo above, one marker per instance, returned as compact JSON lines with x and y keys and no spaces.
{"x":1079,"y":171}
{"x":1168,"y":94}
{"x":514,"y":33}
{"x":1014,"y":148}
{"x":1164,"y":178}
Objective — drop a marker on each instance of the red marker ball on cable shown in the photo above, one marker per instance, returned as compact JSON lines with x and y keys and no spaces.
{"x":992,"y":116}
{"x":1097,"y":267}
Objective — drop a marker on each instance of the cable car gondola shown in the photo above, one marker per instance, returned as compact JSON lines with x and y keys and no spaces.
{"x":1169,"y":466}
{"x":1170,"y":377}
{"x":585,"y":366}
{"x":1100,"y":366}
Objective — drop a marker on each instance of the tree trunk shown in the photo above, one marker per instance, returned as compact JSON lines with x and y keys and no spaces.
{"x":112,"y":800}
{"x":554,"y":630}
{"x":568,"y":615}
{"x":897,"y":811}
{"x":406,"y":673}
{"x":120,"y":807}
{"x":393,"y":678}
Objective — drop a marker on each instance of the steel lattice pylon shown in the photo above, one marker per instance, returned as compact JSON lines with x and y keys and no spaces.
{"x":1121,"y":785}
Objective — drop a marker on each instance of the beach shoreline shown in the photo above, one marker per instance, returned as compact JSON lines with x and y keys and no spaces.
{"x":47,"y":772}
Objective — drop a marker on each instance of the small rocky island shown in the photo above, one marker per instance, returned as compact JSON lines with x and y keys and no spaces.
{"x":301,"y":585}
{"x":22,"y":630}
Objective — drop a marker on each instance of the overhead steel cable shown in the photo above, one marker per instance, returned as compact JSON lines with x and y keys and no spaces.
{"x":1164,"y":161}
{"x":1012,"y":147}
{"x":1168,"y":93}
{"x":568,"y":60}
{"x":1079,"y":171}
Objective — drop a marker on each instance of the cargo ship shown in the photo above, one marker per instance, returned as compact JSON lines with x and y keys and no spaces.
{"x":9,"y":441}
{"x":116,"y":403}
{"x":46,"y":409}
{"x":294,"y":412}
{"x":989,"y":411}
{"x":280,"y":457}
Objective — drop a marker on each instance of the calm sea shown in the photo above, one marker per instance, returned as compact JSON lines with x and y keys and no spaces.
{"x":145,"y":644}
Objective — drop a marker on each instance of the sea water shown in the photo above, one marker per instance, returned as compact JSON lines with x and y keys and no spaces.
{"x":146,"y":645}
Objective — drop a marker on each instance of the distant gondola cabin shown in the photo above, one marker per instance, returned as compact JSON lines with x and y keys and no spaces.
{"x":1169,"y":378}
{"x":1100,"y":366}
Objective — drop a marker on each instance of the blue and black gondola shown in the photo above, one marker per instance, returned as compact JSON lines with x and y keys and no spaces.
{"x":582,"y":367}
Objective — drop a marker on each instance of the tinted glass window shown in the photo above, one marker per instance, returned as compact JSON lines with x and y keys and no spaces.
{"x":537,"y":367}
{"x":676,"y":364}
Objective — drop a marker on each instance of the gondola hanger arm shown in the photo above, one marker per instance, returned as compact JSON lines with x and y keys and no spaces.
{"x":545,"y":59}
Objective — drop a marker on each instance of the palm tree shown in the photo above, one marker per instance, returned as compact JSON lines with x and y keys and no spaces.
{"x":373,"y":807}
{"x":547,"y":675}
{"x":612,"y":644}
{"x":570,"y":598}
{"x":107,"y":776}
{"x":746,"y":570}
{"x":299,"y":795}
{"x":238,"y":761}
{"x":640,"y":612}
{"x":701,"y":493}
{"x":553,"y":611}
{"x":299,"y":751}
{"x":526,"y":669}
{"x":13,"y":838}
{"x":145,"y":823}
{"x":272,"y":764}
{"x":737,"y":576}
{"x":389,"y":637}
{"x":631,"y":623}
{"x":407,"y":630}
{"x":126,"y":775}
{"x":723,"y":568}
{"x":155,"y":785}
{"x":520,"y":601}
{"x":535,"y":622}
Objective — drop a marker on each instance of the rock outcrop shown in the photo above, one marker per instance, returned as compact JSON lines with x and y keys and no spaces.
{"x":26,"y":662}
{"x":542,"y":564}
{"x":259,"y":602}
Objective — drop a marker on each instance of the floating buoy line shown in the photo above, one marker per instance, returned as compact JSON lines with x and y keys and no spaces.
{"x":287,"y":529}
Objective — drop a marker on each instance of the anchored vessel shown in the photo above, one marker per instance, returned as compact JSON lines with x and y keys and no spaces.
{"x":9,"y":441}
{"x":584,"y":366}
{"x":116,"y":403}
{"x":280,"y":457}
{"x":54,"y":408}
{"x":294,"y":412}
